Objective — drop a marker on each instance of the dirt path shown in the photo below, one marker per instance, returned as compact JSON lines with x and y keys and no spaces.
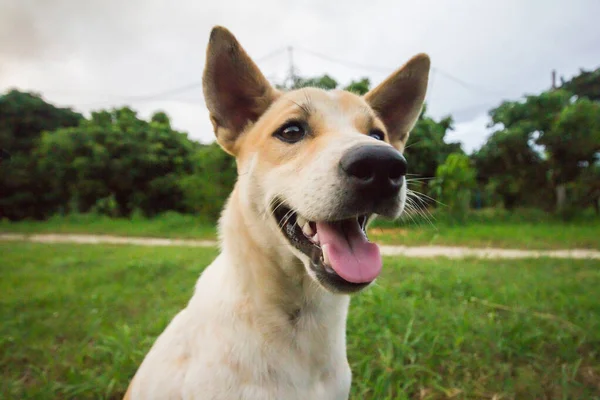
{"x":387,"y":250}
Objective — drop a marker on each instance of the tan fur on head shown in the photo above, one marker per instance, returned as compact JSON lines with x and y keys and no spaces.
{"x":237,"y":93}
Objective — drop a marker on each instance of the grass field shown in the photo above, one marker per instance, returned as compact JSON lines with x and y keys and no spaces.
{"x":482,"y":229}
{"x":77,"y":320}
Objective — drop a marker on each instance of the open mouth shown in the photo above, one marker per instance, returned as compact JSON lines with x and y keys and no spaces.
{"x":341,"y":255}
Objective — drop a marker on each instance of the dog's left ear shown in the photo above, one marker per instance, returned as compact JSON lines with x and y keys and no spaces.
{"x":235,"y":91}
{"x":398,"y":100}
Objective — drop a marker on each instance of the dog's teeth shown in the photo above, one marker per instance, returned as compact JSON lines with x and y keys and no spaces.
{"x":325,"y":254}
{"x":308,"y":231}
{"x":301,"y":221}
{"x":315,"y":238}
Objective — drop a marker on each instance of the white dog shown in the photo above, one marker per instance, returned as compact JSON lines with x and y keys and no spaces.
{"x":268,"y":316}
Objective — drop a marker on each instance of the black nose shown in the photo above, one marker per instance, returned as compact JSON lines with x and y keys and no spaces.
{"x":380,"y":170}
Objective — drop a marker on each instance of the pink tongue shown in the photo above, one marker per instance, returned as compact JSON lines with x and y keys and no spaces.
{"x":350,"y":254}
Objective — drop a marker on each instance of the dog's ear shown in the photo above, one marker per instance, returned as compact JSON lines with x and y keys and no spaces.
{"x":398,"y":100}
{"x":235,"y":91}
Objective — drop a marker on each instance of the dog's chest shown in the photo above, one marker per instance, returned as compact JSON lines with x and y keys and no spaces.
{"x":300,"y":360}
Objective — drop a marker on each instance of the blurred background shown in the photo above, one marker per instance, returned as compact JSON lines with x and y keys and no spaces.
{"x":102,"y":107}
{"x":104,"y":130}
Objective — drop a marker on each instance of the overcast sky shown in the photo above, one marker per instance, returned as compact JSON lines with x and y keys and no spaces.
{"x":101,"y":53}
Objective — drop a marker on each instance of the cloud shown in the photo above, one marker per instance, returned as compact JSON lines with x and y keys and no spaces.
{"x":96,"y":53}
{"x":472,"y":134}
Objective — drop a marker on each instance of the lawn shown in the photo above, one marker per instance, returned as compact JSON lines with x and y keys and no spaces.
{"x":482,"y":229}
{"x":77,"y":321}
{"x":171,"y":225}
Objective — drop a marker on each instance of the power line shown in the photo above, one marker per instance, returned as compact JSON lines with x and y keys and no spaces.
{"x":291,"y":74}
{"x":344,"y":62}
{"x":180,"y":89}
{"x":378,"y":68}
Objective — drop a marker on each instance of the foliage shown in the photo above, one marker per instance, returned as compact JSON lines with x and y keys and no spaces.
{"x":326,"y":82}
{"x":207,"y":188}
{"x":585,"y":84}
{"x":359,"y":87}
{"x":453,"y":182}
{"x":545,"y":148}
{"x":566,"y":132}
{"x":23,"y":118}
{"x":573,"y":142}
{"x":117,"y":156}
{"x":511,"y":167}
{"x":427,"y":148}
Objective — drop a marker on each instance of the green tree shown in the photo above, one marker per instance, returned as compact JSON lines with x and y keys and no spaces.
{"x":427,"y":148}
{"x":510,"y":167}
{"x":210,"y":183}
{"x":573,"y":143}
{"x":115,"y":155}
{"x":360,"y":87}
{"x":23,"y":118}
{"x":326,"y":82}
{"x":565,"y":127}
{"x":585,"y":84}
{"x":453,"y":182}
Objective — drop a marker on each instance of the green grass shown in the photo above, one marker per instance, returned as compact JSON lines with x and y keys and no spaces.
{"x":488,"y":228}
{"x":77,"y":320}
{"x":170,"y":225}
{"x":522,"y":228}
{"x":543,"y":236}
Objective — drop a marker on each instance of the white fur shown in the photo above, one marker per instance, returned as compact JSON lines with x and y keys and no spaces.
{"x":235,"y":340}
{"x":258,"y":325}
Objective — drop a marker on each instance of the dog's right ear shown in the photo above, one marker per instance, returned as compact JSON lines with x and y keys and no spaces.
{"x":235,"y":91}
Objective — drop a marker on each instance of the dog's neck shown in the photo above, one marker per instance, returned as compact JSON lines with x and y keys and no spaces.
{"x":266,"y":271}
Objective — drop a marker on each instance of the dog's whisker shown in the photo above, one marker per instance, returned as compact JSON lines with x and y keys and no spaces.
{"x":419,"y":209}
{"x":410,"y":208}
{"x":286,"y":218}
{"x":421,"y":195}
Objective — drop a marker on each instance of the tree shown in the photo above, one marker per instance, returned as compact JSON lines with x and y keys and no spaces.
{"x":564,"y":126}
{"x":210,"y":183}
{"x":427,"y":148}
{"x":574,"y":147}
{"x":359,"y":87}
{"x":510,"y":168}
{"x":586,"y":84}
{"x":326,"y":82}
{"x":23,"y":118}
{"x":453,"y":182}
{"x":116,"y":155}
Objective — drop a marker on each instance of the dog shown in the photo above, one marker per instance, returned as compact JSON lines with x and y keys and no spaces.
{"x":267,"y":319}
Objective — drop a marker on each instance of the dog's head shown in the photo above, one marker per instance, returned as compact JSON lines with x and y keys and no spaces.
{"x":316,"y":165}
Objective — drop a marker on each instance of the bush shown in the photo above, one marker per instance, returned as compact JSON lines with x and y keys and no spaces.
{"x":453,"y":183}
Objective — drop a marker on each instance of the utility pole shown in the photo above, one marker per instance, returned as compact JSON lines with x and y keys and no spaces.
{"x":292,"y":70}
{"x":553,"y":79}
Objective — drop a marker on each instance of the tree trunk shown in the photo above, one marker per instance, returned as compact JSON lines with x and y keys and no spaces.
{"x":561,"y":196}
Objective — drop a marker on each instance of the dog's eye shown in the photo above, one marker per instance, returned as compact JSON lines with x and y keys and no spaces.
{"x":377,"y":134}
{"x":291,"y":132}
